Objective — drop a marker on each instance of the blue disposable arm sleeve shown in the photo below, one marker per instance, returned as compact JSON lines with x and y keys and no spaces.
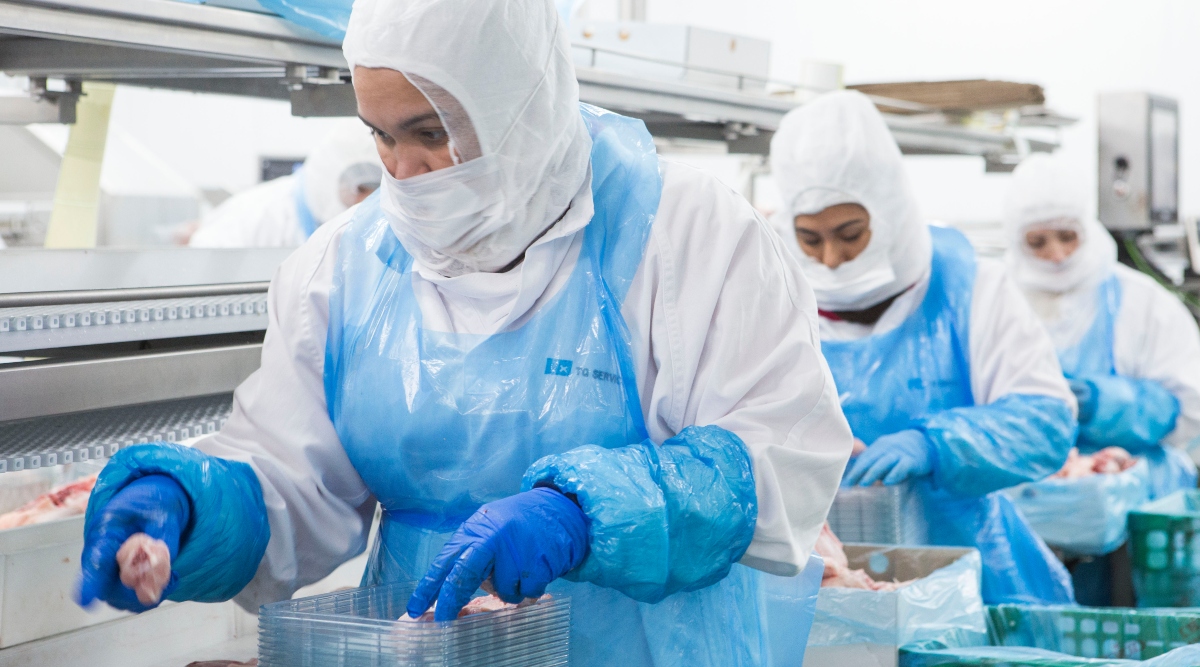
{"x":1129,"y":413}
{"x":228,"y":532}
{"x":661,"y":519}
{"x":1019,"y":438}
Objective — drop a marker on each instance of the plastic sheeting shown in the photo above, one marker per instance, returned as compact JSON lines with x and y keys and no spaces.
{"x":1067,"y":636}
{"x":661,"y":519}
{"x":1086,"y":515}
{"x":943,"y":605}
{"x":326,"y":17}
{"x":923,"y":368}
{"x":228,"y":534}
{"x":791,"y":604}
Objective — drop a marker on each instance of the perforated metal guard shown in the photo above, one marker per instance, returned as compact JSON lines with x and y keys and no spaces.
{"x":82,"y":436}
{"x":46,"y":327}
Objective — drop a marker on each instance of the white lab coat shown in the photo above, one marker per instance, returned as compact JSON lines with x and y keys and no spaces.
{"x":264,"y":216}
{"x":1010,"y":353}
{"x":724,"y":332}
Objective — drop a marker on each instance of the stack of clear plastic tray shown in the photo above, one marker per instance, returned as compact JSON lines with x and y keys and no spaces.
{"x":360,"y":628}
{"x":879,"y":515}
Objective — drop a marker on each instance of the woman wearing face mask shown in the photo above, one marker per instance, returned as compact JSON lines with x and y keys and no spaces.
{"x":1130,"y":349}
{"x":942,"y":371}
{"x":553,"y":358}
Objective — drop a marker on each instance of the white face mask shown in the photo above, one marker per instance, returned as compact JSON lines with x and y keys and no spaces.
{"x":853,"y":285}
{"x":444,"y":217}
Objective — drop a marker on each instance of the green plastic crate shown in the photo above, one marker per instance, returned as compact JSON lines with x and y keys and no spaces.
{"x":1061,"y":636}
{"x":1164,"y":540}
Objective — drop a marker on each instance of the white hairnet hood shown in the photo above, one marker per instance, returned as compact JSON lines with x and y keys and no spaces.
{"x":346,"y":158}
{"x":507,"y":65}
{"x":838,"y":150}
{"x":1045,"y":193}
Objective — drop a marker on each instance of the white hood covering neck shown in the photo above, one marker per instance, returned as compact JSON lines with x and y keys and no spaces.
{"x":834,"y":150}
{"x":507,"y":64}
{"x":1044,"y":193}
{"x":345,"y":159}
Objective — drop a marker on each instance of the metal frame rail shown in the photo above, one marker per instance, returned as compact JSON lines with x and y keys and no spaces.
{"x":169,"y":44}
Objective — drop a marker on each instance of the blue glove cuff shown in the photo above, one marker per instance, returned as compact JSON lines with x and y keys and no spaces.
{"x":220,"y":550}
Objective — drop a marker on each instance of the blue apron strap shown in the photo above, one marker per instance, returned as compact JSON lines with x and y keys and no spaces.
{"x":308,"y":222}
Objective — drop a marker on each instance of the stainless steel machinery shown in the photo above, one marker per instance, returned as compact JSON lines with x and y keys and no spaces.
{"x":1139,"y":161}
{"x":102,"y":349}
{"x":1138,"y":190}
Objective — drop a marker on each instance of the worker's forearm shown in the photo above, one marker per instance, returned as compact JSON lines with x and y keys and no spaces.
{"x":1129,"y":413}
{"x":228,"y":533}
{"x":661,"y":518}
{"x":1019,"y":438}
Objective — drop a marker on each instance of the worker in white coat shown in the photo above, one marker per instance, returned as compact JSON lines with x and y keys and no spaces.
{"x":1130,"y":348}
{"x":340,"y":172}
{"x":556,"y":360}
{"x":944,"y":373}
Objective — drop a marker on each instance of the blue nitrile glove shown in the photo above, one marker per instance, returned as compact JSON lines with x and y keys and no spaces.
{"x":1087,"y":398}
{"x":892,"y":458}
{"x":155,"y":505}
{"x":522,"y":542}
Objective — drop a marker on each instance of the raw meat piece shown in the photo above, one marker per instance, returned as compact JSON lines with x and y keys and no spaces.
{"x":65,"y":501}
{"x":847,"y":578}
{"x":1107,"y":461}
{"x":859,"y":448}
{"x":145,"y":564}
{"x":480,"y":605}
{"x":1111,"y":460}
{"x":837,"y":567}
{"x":829,"y":547}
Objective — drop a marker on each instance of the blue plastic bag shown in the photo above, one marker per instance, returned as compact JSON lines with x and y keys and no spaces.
{"x":1087,"y":515}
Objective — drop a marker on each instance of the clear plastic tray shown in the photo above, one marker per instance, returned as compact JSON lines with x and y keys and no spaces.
{"x":879,"y":515}
{"x":360,"y":628}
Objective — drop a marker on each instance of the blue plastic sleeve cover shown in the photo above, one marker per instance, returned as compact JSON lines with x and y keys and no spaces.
{"x":661,"y":519}
{"x":1019,"y":438}
{"x":228,"y":533}
{"x":1129,"y":413}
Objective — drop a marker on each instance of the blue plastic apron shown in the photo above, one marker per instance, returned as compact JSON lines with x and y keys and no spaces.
{"x":888,"y":382}
{"x":1170,"y":468}
{"x":308,"y":222}
{"x":438,"y":424}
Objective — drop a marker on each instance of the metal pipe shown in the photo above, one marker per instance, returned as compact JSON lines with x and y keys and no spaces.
{"x":68,"y":297}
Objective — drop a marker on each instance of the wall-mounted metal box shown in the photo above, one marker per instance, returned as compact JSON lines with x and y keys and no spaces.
{"x":1139,"y":161}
